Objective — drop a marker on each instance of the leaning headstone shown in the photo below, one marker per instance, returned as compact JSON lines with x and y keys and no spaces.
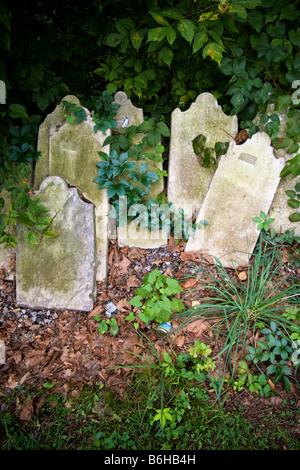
{"x":54,"y":119}
{"x":280,"y":210}
{"x":133,"y":234}
{"x":189,"y":181}
{"x":59,"y":273}
{"x":129,"y":115}
{"x":244,"y":184}
{"x":71,"y":152}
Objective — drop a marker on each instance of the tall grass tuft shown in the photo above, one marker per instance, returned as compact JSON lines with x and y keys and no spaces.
{"x":236,"y":308}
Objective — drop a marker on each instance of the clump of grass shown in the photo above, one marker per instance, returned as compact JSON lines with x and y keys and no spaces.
{"x":241,"y":307}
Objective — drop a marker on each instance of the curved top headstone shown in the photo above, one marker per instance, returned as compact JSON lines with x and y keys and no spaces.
{"x":189,"y":181}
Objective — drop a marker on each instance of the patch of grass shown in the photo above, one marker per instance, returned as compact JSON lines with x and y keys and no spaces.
{"x":236,"y":309}
{"x":95,"y":418}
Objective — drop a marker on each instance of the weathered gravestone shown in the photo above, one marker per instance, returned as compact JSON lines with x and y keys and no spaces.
{"x":59,"y":273}
{"x":71,"y":151}
{"x":189,"y":181}
{"x":244,"y":185}
{"x":128,"y":115}
{"x":134,"y":234}
{"x":280,"y":210}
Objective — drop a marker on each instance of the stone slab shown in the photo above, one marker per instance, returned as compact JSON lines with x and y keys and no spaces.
{"x":127,"y":114}
{"x":71,"y":152}
{"x":188,"y":181}
{"x":56,"y":118}
{"x":244,"y":184}
{"x":132,"y":235}
{"x":59,"y":273}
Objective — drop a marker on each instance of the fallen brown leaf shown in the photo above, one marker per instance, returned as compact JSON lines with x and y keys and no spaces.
{"x":96,"y":311}
{"x":196,"y":327}
{"x":189,"y":283}
{"x":132,"y":281}
{"x":124,"y":263}
{"x":26,"y":412}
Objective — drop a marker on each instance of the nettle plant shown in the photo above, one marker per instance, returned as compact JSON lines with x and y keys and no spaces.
{"x":156,"y":299}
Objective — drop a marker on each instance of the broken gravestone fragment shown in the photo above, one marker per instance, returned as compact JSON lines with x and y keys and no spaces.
{"x":189,"y":181}
{"x":244,"y":185}
{"x":59,"y":273}
{"x":71,"y":152}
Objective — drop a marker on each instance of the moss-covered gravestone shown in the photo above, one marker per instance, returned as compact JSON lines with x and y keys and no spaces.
{"x":189,"y":181}
{"x":244,"y":184}
{"x":71,"y":152}
{"x":133,"y":234}
{"x":59,"y":273}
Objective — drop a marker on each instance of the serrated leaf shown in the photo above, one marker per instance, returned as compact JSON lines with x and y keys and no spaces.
{"x":32,"y":238}
{"x":136,"y":301}
{"x":50,"y":234}
{"x":186,"y":29}
{"x":170,"y":34}
{"x":114,"y":39}
{"x":199,"y":40}
{"x":166,"y":55}
{"x":18,"y":111}
{"x":159,"y":18}
{"x":136,"y":39}
{"x":214,"y":51}
{"x":156,"y":34}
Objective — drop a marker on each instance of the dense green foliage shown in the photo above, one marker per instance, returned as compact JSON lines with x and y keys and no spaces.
{"x":162,"y":54}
